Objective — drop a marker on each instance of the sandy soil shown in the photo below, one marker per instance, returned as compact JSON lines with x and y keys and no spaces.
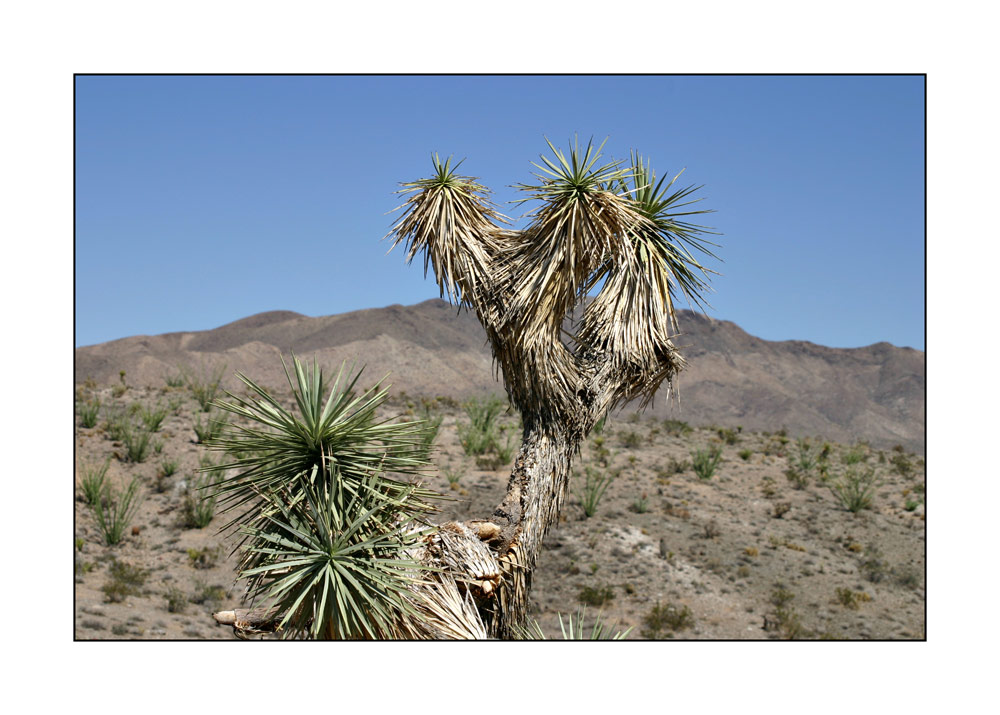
{"x":742,"y":555}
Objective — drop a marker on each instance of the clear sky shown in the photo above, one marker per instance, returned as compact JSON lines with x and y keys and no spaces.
{"x":202,"y":200}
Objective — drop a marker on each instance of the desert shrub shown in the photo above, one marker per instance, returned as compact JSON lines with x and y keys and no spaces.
{"x":116,"y":422}
{"x":453,"y":475}
{"x":137,"y":443}
{"x":114,"y":513}
{"x":665,"y":620}
{"x":213,"y":427}
{"x":631,"y":438}
{"x":855,"y":455}
{"x":780,"y":509}
{"x":168,"y":467}
{"x":123,"y":580}
{"x":198,"y":506}
{"x":640,"y":505}
{"x":88,"y":412}
{"x":705,"y":462}
{"x":92,"y":482}
{"x":176,"y":600}
{"x":677,"y":428}
{"x":596,"y":596}
{"x":479,"y":435}
{"x":874,"y":567}
{"x":745,"y":454}
{"x":855,"y":489}
{"x":204,"y":386}
{"x":207,"y":594}
{"x":594,"y":486}
{"x":797,"y":477}
{"x":204,"y":558}
{"x":907,"y":577}
{"x":153,"y":417}
{"x":901,"y":465}
{"x":174,"y":379}
{"x":729,"y":436}
{"x":851,"y":599}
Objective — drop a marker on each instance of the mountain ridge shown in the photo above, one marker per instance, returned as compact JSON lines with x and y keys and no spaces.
{"x":875,"y":392}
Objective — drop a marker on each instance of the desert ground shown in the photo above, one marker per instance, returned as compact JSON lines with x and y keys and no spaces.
{"x":763,"y":548}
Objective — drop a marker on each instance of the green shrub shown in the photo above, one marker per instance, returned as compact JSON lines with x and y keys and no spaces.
{"x":88,"y":412}
{"x":798,"y":478}
{"x":705,"y":462}
{"x":198,"y":506}
{"x":453,"y":475}
{"x":676,"y":427}
{"x":479,"y":435}
{"x":137,"y":443}
{"x":153,"y":417}
{"x":92,"y":482}
{"x":855,"y":489}
{"x":745,"y":454}
{"x":123,"y":580}
{"x":213,"y":427}
{"x":631,"y":438}
{"x":114,"y":513}
{"x":641,"y":504}
{"x":663,"y":621}
{"x":204,"y":386}
{"x":596,"y":596}
{"x":594,"y":486}
{"x":729,"y":436}
{"x":176,"y":600}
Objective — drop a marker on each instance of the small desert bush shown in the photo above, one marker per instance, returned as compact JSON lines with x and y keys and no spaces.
{"x":594,"y":485}
{"x":745,"y":454}
{"x":665,"y":620}
{"x":153,"y":417}
{"x":631,"y":438}
{"x":640,"y":505}
{"x":123,"y":580}
{"x":213,"y":428}
{"x":453,"y":475}
{"x":479,"y":435}
{"x":677,"y":428}
{"x":114,"y":513}
{"x":174,"y":379}
{"x":198,"y":506}
{"x":137,"y":443}
{"x":88,"y":412}
{"x":798,"y":478}
{"x":855,"y":489}
{"x":729,"y":436}
{"x":851,"y":599}
{"x":596,"y":596}
{"x":204,"y":386}
{"x":176,"y":600}
{"x":705,"y":462}
{"x":92,"y":483}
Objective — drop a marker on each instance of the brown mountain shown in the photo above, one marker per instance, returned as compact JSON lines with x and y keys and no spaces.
{"x":733,"y":378}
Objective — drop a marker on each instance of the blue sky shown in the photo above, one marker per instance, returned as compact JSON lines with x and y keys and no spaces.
{"x":202,"y":200}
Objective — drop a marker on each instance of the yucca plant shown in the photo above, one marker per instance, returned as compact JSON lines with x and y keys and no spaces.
{"x":594,"y":486}
{"x":137,"y":443}
{"x":89,"y":410}
{"x":326,"y":533}
{"x":599,"y":227}
{"x":573,"y":629}
{"x":213,"y":427}
{"x":92,"y":483}
{"x":855,"y":489}
{"x":204,"y":386}
{"x":153,"y":417}
{"x":114,"y":513}
{"x":704,"y":462}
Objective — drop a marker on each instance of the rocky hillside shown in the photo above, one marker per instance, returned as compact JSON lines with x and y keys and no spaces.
{"x":875,"y":393}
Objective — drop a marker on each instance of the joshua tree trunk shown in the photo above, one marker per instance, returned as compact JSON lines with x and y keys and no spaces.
{"x":591,"y":229}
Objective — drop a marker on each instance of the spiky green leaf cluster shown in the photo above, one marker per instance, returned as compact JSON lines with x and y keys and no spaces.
{"x":327,"y":533}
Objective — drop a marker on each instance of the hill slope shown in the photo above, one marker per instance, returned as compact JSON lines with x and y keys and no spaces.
{"x":874,"y":393}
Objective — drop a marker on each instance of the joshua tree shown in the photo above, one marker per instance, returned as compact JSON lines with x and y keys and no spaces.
{"x":613,"y":228}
